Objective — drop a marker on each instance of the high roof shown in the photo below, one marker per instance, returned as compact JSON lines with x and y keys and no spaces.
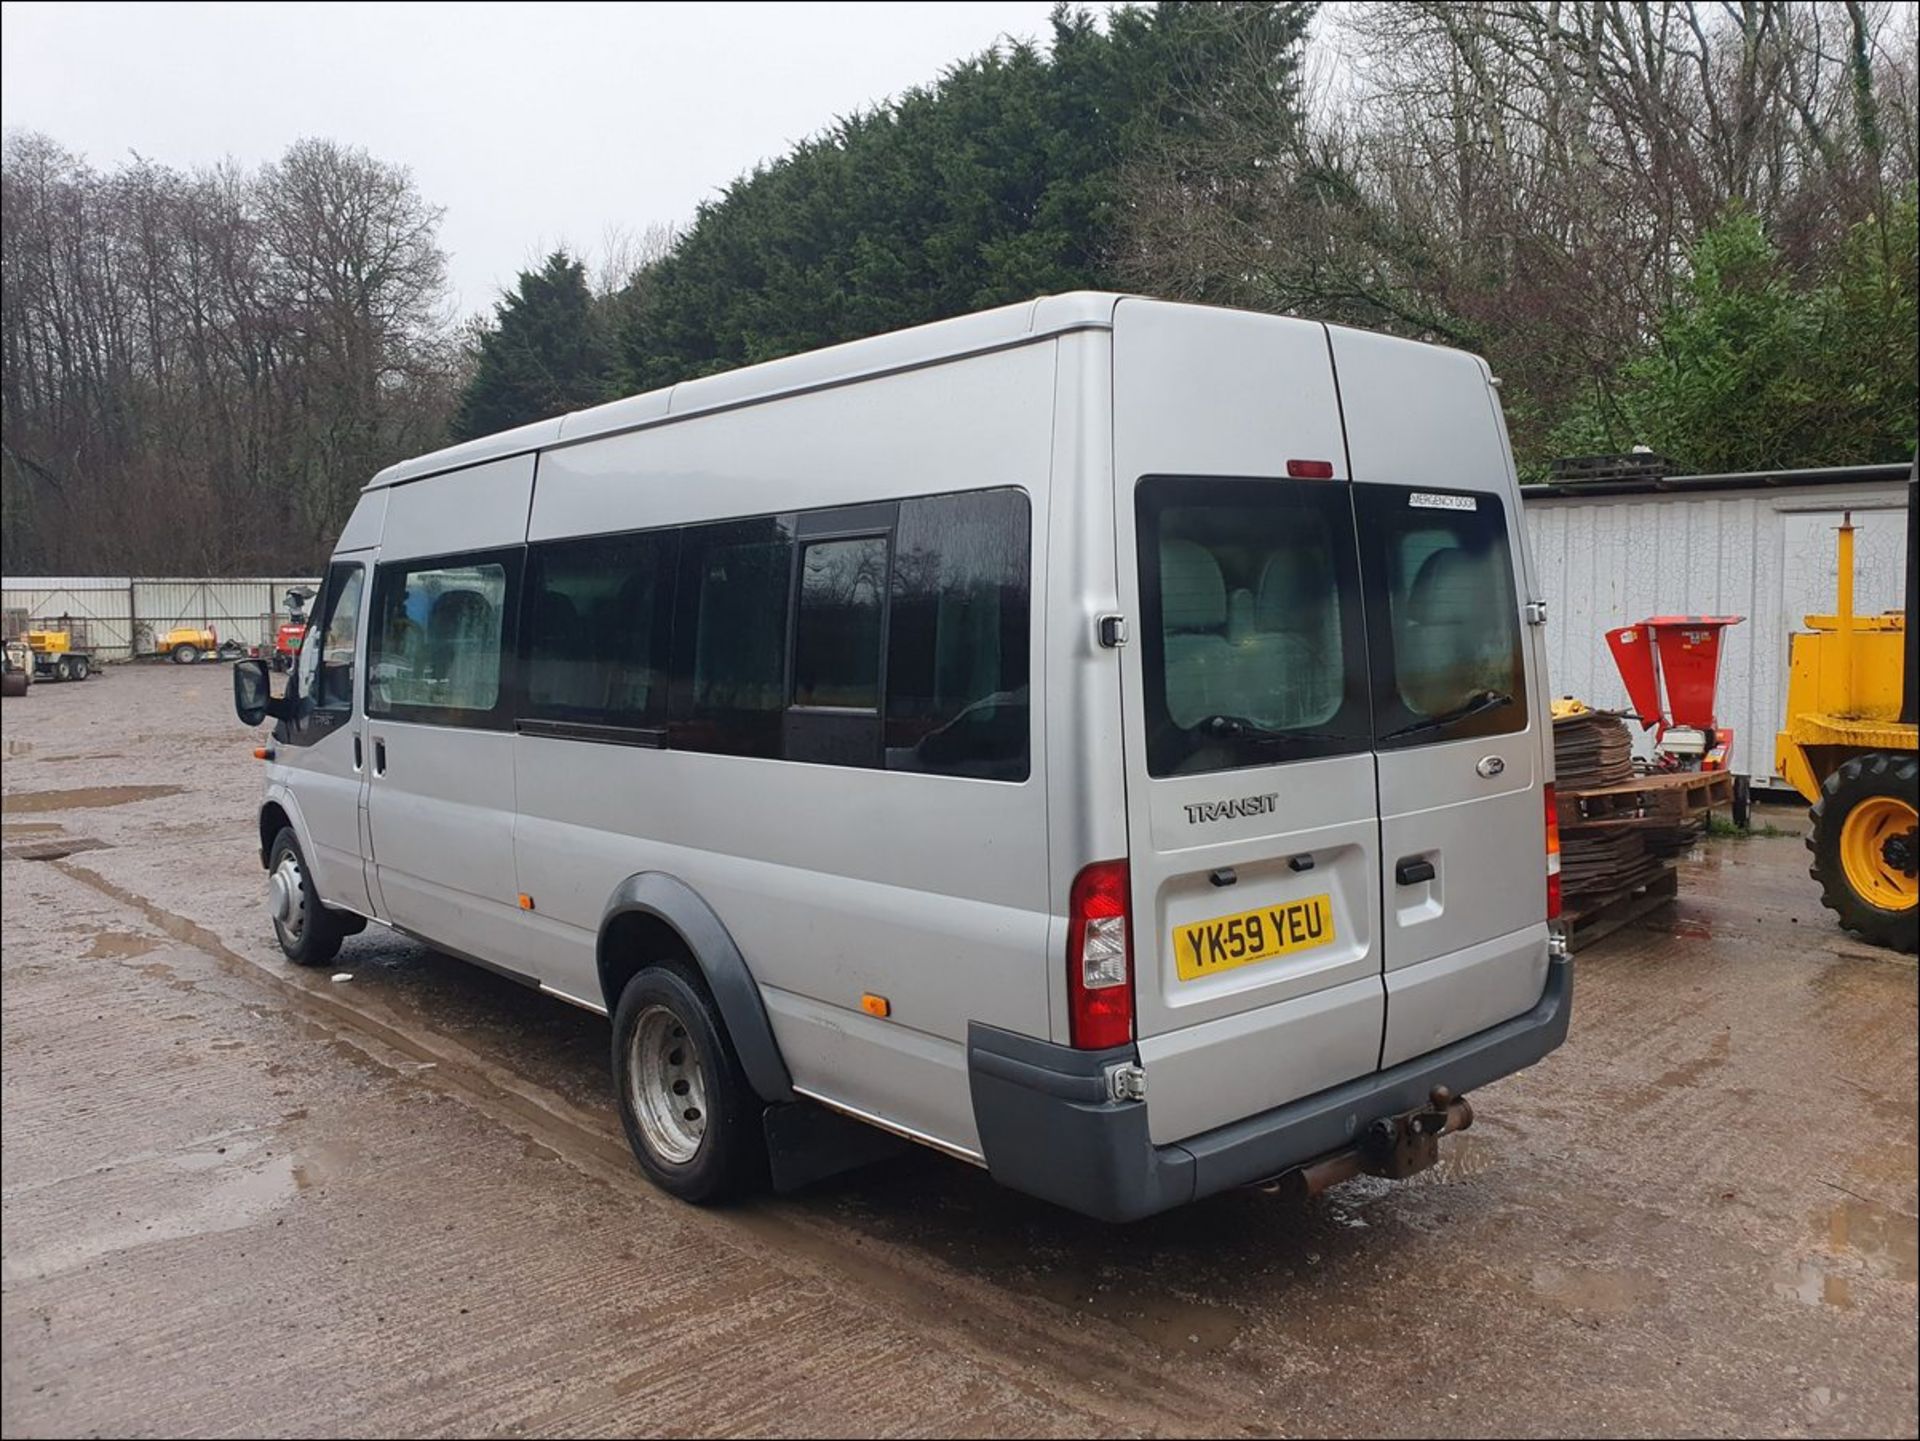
{"x":836,"y":365}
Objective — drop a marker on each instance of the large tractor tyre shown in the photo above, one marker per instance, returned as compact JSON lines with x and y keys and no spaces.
{"x":13,"y":683}
{"x":1864,"y":848}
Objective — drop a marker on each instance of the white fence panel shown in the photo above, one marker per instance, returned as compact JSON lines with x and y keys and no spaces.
{"x":98,"y":609}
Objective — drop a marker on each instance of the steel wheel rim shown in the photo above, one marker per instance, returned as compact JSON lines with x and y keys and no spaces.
{"x":1864,"y":839}
{"x":667,"y":1086}
{"x":287,"y":899}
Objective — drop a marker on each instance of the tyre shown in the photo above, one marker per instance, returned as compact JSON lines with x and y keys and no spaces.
{"x":308,"y":932}
{"x":63,"y":668}
{"x":690,"y":1116}
{"x":81,"y":667}
{"x":186,"y":653}
{"x":1863,"y":844}
{"x":13,"y":683}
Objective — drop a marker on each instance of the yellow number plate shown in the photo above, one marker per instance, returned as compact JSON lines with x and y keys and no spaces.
{"x":1209,"y":947}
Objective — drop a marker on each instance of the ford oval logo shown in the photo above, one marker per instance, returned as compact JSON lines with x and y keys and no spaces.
{"x":1491,"y":766}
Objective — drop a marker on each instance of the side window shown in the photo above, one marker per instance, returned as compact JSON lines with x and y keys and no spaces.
{"x":836,"y":636}
{"x":1444,"y":615}
{"x":439,"y":640}
{"x":957,"y":653}
{"x":598,"y":623}
{"x":324,"y":680}
{"x":731,"y":636}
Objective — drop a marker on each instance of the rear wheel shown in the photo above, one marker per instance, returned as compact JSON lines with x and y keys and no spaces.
{"x":689,"y":1114}
{"x":63,"y":668}
{"x":308,"y":932}
{"x":1864,"y":848}
{"x":186,"y":653}
{"x":81,"y":667}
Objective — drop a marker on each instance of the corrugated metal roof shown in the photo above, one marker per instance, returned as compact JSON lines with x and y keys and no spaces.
{"x":1731,"y":480}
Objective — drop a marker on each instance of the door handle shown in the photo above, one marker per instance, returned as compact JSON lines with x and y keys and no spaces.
{"x":357,"y":752}
{"x":379,"y":757}
{"x":1413,"y":870}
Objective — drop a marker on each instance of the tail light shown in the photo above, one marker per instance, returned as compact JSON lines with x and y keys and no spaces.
{"x":1553,"y":857}
{"x":1100,"y":958}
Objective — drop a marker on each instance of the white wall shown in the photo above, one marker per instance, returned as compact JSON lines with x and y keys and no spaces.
{"x":1768,"y":555}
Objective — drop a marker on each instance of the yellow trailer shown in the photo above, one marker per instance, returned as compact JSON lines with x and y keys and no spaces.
{"x":1849,"y":748}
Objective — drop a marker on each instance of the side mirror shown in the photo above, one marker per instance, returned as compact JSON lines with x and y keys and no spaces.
{"x":252,"y":692}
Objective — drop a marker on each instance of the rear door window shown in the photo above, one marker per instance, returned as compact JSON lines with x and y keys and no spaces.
{"x":1255,"y":650}
{"x":1443,"y":615}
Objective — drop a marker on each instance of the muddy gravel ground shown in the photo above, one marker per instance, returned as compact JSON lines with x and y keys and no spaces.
{"x":245,"y":1199}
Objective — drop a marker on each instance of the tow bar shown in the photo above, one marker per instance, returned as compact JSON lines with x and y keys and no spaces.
{"x":1393,"y":1146}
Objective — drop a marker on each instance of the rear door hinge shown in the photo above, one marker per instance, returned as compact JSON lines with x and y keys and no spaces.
{"x":1536,"y":612}
{"x":1126,"y":1083}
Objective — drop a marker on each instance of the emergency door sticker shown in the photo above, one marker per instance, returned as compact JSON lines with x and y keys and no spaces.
{"x":1427,"y":500}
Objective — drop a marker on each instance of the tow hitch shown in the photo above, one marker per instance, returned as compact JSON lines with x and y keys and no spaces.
{"x":1393,"y":1146}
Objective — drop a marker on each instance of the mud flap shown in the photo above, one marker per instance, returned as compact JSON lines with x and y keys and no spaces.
{"x":808,"y":1143}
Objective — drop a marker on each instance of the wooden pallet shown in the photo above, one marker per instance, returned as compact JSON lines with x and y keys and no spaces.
{"x":1671,"y":798}
{"x":1588,"y":919}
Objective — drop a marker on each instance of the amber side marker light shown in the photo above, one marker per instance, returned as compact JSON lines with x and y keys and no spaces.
{"x":526,"y":901}
{"x":876,"y":1005}
{"x":263,"y":753}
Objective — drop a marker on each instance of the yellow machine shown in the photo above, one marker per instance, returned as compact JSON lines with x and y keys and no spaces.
{"x":1849,"y":748}
{"x":57,"y":656}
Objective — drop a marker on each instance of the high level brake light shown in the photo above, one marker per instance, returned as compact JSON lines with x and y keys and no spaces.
{"x":1553,"y":858}
{"x":1100,"y":958}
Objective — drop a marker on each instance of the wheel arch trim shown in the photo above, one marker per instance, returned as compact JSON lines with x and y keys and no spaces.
{"x":712,"y":948}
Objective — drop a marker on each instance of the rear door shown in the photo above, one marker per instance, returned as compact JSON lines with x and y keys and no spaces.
{"x":1252,"y":814}
{"x":1457,"y":715}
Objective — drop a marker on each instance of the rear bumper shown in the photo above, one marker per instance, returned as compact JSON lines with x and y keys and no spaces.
{"x":1047,"y":1128}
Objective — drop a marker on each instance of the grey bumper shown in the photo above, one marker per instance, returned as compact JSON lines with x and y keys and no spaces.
{"x":1047,"y":1127}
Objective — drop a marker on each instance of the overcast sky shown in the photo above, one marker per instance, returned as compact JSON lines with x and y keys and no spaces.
{"x":532,"y":124}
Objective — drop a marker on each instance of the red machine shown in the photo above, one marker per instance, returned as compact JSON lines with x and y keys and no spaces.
{"x":286,"y":640}
{"x":1683,"y":653}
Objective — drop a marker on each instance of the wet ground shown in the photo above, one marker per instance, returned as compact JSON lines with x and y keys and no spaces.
{"x":243,"y":1199}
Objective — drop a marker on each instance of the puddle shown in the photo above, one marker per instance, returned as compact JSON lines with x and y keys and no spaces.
{"x":1887,"y":1241}
{"x":1855,"y":1236}
{"x":81,"y":798}
{"x":1607,"y":1293}
{"x":1811,"y":1284}
{"x":1167,"y":1321}
{"x":118,"y":945}
{"x":1464,"y":1156}
{"x":54,"y":849}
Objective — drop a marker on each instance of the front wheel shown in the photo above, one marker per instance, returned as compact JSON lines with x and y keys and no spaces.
{"x":185,"y":653}
{"x":691,"y":1118}
{"x":308,"y":932}
{"x":1864,"y":848}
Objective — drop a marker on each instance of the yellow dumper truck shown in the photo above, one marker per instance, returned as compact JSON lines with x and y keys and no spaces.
{"x":1849,"y":748}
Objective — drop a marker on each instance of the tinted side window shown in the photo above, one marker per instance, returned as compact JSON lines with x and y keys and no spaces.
{"x":731,"y":636}
{"x":599,"y":618}
{"x":957,"y":652}
{"x":1443,"y":615}
{"x":836,"y":637}
{"x":440,"y":639}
